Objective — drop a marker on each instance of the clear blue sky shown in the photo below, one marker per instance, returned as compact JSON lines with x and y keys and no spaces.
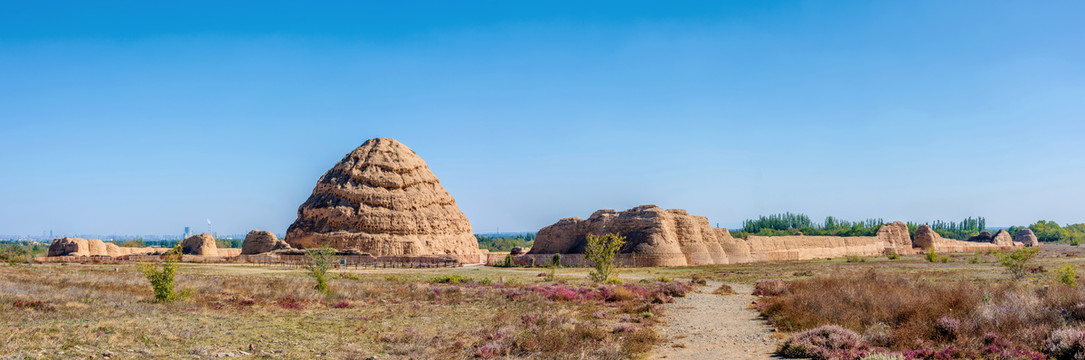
{"x":144,"y":118}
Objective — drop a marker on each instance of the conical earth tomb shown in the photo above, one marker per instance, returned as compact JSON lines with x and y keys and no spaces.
{"x":382,"y":199}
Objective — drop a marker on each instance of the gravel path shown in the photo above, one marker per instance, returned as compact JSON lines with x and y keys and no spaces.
{"x":705,"y":326}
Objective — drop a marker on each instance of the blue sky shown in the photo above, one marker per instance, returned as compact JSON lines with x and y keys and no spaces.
{"x":145,"y":118}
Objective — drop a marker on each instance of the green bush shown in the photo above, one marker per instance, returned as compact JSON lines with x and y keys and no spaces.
{"x":555,"y":261}
{"x":602,"y":251}
{"x":320,"y":261}
{"x":1067,"y":275}
{"x":161,"y":278}
{"x":931,"y":255}
{"x":894,"y":256}
{"x":1017,"y":261}
{"x":505,"y":263}
{"x":857,"y":259}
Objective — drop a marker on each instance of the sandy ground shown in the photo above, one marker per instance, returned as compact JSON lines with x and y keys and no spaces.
{"x":703,"y":326}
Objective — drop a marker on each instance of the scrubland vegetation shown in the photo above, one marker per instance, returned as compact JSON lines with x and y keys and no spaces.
{"x":21,"y":252}
{"x":79,"y":311}
{"x":1006,"y":306}
{"x":1027,"y":304}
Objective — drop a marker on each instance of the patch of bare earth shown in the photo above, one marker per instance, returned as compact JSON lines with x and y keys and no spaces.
{"x":704,"y":325}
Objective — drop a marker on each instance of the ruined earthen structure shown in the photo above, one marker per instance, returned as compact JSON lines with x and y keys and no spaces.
{"x":1027,"y":237}
{"x":260,"y":241}
{"x":925,"y":238}
{"x":93,"y":247}
{"x":382,"y":199}
{"x":202,"y":244}
{"x":658,"y":237}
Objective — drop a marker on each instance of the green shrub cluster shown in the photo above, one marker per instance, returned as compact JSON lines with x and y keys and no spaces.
{"x":161,"y":278}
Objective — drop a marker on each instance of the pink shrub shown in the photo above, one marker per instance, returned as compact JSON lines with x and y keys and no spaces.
{"x":826,"y":342}
{"x":290,"y":302}
{"x":947,"y":353}
{"x":489,"y":351}
{"x":624,"y":327}
{"x":342,"y":305}
{"x":563,"y":293}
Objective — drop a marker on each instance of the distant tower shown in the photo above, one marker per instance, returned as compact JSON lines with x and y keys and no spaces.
{"x":209,"y":227}
{"x":188,"y":232}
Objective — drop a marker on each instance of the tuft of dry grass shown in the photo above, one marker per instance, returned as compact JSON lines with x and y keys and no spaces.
{"x":724,"y":289}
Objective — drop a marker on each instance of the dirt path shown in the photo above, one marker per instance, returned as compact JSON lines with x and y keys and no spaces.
{"x":703,"y":325}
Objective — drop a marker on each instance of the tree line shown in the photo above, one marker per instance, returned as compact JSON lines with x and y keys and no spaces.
{"x":795,"y":224}
{"x":503,"y":243}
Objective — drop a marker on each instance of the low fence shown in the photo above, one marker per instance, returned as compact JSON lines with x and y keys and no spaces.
{"x":289,"y":261}
{"x":578,"y":260}
{"x":354,"y":261}
{"x":101,"y":259}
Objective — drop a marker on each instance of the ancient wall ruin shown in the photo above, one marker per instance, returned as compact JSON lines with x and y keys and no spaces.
{"x":658,"y":237}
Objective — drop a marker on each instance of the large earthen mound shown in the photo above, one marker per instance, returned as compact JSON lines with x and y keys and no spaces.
{"x":260,"y":241}
{"x":382,"y":199}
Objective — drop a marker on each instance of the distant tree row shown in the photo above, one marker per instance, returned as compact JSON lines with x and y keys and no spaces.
{"x":21,"y":251}
{"x":505,"y":243}
{"x":1050,"y":231}
{"x":794,"y":224}
{"x":138,"y":242}
{"x":229,"y":243}
{"x":963,"y":230}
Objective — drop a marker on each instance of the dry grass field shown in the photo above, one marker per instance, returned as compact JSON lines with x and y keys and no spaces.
{"x":107,"y":311}
{"x":98,"y":311}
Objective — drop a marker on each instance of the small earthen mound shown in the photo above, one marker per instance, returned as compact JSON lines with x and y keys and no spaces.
{"x":1027,"y":237}
{"x":202,"y":244}
{"x":925,"y":237}
{"x":260,"y":241}
{"x":1003,"y":238}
